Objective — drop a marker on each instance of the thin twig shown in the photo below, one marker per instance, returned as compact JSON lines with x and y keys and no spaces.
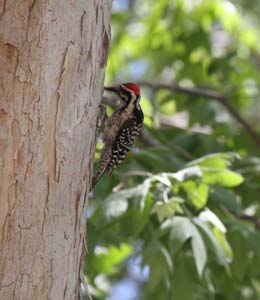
{"x":253,"y":219}
{"x":150,"y":140}
{"x":242,"y":216}
{"x":199,"y":92}
{"x":137,"y":173}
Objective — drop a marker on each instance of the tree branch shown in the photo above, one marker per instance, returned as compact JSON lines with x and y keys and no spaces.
{"x":253,"y":219}
{"x":198,"y":92}
{"x":242,"y":216}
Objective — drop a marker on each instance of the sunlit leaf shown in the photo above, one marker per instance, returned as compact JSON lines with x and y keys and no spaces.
{"x":196,"y":192}
{"x":223,"y":242}
{"x":216,"y":160}
{"x":107,"y":259}
{"x":208,"y":216}
{"x":221,"y":177}
{"x":219,"y":252}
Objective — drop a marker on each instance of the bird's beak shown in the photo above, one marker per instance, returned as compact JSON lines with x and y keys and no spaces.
{"x":111,"y":89}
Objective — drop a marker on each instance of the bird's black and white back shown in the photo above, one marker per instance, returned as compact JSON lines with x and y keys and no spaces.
{"x":123,"y":127}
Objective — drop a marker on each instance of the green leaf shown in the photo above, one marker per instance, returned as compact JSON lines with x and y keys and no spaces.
{"x":221,"y":177}
{"x":117,"y":204}
{"x":216,"y":160}
{"x":239,"y":265}
{"x":107,"y":258}
{"x":199,"y":250}
{"x":182,"y":230}
{"x":223,"y":242}
{"x":184,"y":283}
{"x":143,"y":190}
{"x":168,"y":208}
{"x":143,"y":213}
{"x":226,"y":198}
{"x":160,"y":262}
{"x":115,"y":207}
{"x":196,"y":192}
{"x":208,"y":216}
{"x":220,"y":254}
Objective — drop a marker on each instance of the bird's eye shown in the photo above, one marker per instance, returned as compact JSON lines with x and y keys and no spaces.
{"x":121,"y":90}
{"x":124,"y":97}
{"x":123,"y":94}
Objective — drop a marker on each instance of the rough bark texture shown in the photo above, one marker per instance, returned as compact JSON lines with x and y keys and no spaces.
{"x":52,"y":59}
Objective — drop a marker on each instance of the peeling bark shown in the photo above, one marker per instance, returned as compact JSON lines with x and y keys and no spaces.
{"x":52,"y":60}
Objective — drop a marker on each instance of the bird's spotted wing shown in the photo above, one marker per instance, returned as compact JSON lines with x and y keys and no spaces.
{"x":124,"y":141}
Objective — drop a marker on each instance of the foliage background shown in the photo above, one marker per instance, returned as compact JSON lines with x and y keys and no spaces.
{"x":179,"y":219}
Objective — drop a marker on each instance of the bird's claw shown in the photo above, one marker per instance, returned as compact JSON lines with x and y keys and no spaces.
{"x":102,"y":117}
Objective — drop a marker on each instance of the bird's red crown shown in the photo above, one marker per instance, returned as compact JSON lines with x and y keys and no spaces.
{"x":133,"y":87}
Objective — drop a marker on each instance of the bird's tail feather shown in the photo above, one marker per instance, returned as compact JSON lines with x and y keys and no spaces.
{"x":98,"y":175}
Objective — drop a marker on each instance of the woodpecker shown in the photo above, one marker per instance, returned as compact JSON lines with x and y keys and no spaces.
{"x":122,"y":128}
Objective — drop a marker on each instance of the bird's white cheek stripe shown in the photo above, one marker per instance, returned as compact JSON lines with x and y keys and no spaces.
{"x":138,"y":103}
{"x":133,"y":95}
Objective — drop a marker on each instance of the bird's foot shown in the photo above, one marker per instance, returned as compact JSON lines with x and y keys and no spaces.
{"x":102,"y":117}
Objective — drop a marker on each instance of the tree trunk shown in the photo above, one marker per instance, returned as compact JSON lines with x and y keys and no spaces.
{"x":52,"y":59}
